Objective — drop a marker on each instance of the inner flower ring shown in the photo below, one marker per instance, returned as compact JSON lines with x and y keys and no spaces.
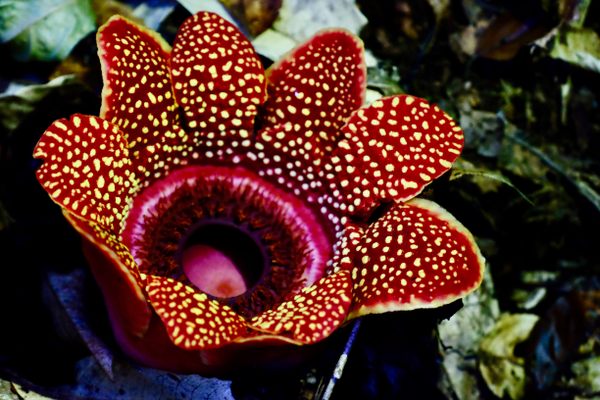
{"x":231,"y":234}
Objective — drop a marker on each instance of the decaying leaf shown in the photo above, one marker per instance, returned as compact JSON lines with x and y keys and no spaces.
{"x":483,"y":130}
{"x":499,"y":36}
{"x":6,"y":391}
{"x":300,"y":19}
{"x":23,"y":394}
{"x":506,"y":35}
{"x":586,"y":375}
{"x":503,"y":372}
{"x":459,"y":337}
{"x":557,"y":339}
{"x":296,"y":20}
{"x":256,"y":15}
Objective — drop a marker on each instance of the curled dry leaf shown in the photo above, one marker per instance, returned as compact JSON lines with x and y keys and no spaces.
{"x":503,"y":372}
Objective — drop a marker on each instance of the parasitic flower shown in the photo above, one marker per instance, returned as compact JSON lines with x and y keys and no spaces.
{"x":226,"y":211}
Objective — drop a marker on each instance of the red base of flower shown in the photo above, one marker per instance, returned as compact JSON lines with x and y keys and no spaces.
{"x":155,"y":349}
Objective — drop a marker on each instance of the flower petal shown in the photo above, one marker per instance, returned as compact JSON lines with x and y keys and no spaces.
{"x":416,"y":256}
{"x":392,"y":149}
{"x":117,"y":275}
{"x":218,"y":81}
{"x":193,"y":320}
{"x":290,"y":163}
{"x":87,"y":170}
{"x":311,"y":315}
{"x":345,"y":246}
{"x":317,"y":86}
{"x":137,"y":94}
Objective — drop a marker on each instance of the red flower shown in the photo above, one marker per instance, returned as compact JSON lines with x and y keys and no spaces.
{"x":225,"y":212}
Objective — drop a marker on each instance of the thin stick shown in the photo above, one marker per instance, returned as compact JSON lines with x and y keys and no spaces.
{"x":339,"y":367}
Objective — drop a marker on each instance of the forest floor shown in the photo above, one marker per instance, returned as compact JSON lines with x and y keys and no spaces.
{"x":522,"y":78}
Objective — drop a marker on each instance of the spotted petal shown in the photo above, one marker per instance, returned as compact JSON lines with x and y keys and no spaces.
{"x":316,"y":87}
{"x":218,"y":81}
{"x":311,"y":315}
{"x":416,"y":256}
{"x":287,"y":160}
{"x":345,"y":246}
{"x":87,"y":170}
{"x":392,"y":149}
{"x":137,"y":94}
{"x":193,"y":321}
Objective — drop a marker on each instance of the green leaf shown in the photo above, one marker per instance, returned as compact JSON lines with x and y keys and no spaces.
{"x":579,"y":46}
{"x":44,"y":30}
{"x":384,"y":78}
{"x":458,"y":172}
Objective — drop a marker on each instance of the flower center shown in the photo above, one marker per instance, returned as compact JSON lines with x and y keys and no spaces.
{"x":230,"y":234}
{"x":222,"y":259}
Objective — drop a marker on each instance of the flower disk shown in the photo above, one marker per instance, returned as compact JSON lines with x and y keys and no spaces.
{"x":230,"y":215}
